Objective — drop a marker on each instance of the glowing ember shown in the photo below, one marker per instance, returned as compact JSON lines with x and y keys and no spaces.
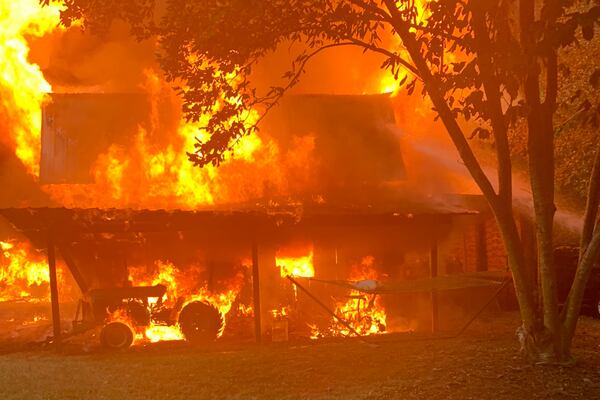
{"x":280,"y":313}
{"x":156,"y":333}
{"x":23,"y":272}
{"x":245,"y":310}
{"x":35,"y":320}
{"x":301,"y":266}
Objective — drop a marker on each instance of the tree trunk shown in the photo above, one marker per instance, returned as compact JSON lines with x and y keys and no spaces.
{"x":589,"y":251}
{"x":502,"y":209}
{"x":546,"y":335}
{"x":573,"y":306}
{"x":540,"y":152}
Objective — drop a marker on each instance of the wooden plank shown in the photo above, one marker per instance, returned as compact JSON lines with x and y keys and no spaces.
{"x":54,"y":289}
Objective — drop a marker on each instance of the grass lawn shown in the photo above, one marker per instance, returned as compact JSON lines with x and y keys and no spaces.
{"x":482,"y":364}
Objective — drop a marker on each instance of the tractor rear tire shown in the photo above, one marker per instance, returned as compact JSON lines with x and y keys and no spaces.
{"x":116,"y":336}
{"x":200,"y":322}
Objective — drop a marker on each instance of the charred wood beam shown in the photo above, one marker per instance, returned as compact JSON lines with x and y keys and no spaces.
{"x":71,"y":224}
{"x":134,"y":292}
{"x":53,"y":289}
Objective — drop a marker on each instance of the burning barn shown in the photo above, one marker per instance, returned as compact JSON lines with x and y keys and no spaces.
{"x":322,"y":234}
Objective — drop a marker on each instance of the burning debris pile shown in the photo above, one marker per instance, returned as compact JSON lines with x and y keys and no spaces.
{"x":25,"y":293}
{"x":355,"y":313}
{"x":185,"y":296}
{"x":363,"y":312}
{"x":149,"y":276}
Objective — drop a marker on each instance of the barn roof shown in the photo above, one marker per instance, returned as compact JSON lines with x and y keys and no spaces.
{"x":257,"y":216}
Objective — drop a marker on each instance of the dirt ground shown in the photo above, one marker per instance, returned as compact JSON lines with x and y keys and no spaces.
{"x":482,"y":364}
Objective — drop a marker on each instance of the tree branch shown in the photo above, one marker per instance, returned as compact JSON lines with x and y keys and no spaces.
{"x":575,"y":298}
{"x":438,"y":32}
{"x":372,"y":8}
{"x":437,"y":97}
{"x":492,"y":90}
{"x":387,"y":53}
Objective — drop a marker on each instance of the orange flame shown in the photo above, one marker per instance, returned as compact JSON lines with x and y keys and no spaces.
{"x":23,"y":273}
{"x":22,"y":84}
{"x":301,"y":266}
{"x":151,"y":175}
{"x":364,"y":313}
{"x":179,"y":286}
{"x":147,"y":174}
{"x":388,"y":83}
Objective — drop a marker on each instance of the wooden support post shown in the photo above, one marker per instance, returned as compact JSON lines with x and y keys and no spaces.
{"x":256,"y":294}
{"x":433,"y":268}
{"x":53,"y":289}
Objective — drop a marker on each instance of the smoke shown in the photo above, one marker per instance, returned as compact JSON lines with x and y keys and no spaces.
{"x":75,"y":61}
{"x":307,"y":164}
{"x":416,"y":151}
{"x":342,"y":71}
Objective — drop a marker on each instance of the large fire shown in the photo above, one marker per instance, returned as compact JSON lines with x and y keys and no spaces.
{"x":296,"y":265}
{"x":388,"y":82}
{"x":157,"y":174}
{"x":22,"y":84}
{"x":363,"y":312}
{"x":183,"y":287}
{"x":146,"y":175}
{"x":23,"y":273}
{"x":149,"y":173}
